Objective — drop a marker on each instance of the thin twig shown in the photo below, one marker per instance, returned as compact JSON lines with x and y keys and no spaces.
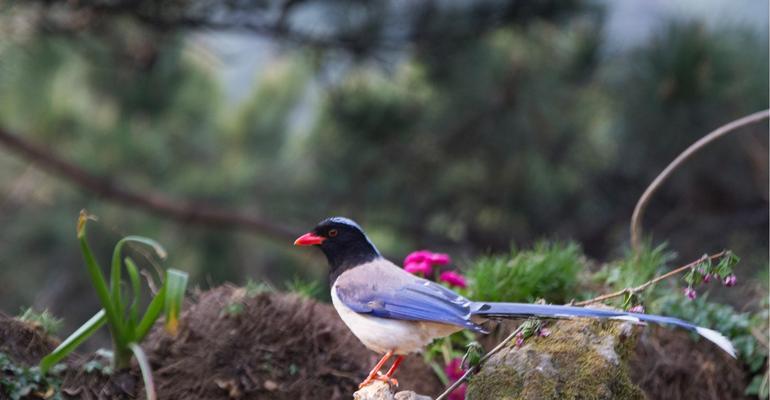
{"x":652,"y":281}
{"x":641,"y":205}
{"x":156,"y":203}
{"x":475,"y":368}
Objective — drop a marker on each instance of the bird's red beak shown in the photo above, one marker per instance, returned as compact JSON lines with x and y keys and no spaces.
{"x":309,"y":239}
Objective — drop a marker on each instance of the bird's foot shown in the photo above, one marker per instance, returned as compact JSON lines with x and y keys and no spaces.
{"x":380,"y":377}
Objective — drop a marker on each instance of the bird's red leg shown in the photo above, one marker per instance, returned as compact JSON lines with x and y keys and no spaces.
{"x":373,"y":375}
{"x":388,"y":377}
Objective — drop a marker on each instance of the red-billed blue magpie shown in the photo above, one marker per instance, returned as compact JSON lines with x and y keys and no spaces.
{"x":395,"y":313}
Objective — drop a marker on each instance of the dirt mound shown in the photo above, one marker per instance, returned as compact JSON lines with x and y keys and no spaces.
{"x":669,"y":364}
{"x":268,"y":346}
{"x":23,"y":342}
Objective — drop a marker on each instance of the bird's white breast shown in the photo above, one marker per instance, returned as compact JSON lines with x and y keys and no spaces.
{"x":383,"y":335}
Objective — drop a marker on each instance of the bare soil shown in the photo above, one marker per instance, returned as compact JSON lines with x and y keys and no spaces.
{"x":671,"y":364}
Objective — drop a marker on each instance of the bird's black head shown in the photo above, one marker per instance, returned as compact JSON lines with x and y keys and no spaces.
{"x":343,"y":242}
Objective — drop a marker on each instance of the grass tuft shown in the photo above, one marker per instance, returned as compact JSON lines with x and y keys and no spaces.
{"x":549,"y":271}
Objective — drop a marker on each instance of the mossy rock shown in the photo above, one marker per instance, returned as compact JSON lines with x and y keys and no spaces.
{"x":580,"y":359}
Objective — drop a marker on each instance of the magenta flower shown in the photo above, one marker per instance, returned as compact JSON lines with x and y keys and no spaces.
{"x":544,"y":332}
{"x":638,"y":309}
{"x":707,"y":278}
{"x":439,"y":259}
{"x":690,"y":293}
{"x":454,"y":370}
{"x":730,"y":280}
{"x":453,"y":279}
{"x":519,"y":341}
{"x":419,"y":268}
{"x":417,"y":257}
{"x":459,"y":393}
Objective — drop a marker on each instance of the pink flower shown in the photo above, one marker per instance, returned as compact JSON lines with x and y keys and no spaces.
{"x":417,"y":257}
{"x":459,"y":393}
{"x":454,"y":370}
{"x":707,"y":278}
{"x":690,"y":293}
{"x":419,"y":268}
{"x":638,"y":309}
{"x":730,"y":280}
{"x":544,"y":332}
{"x":439,"y":259}
{"x":519,"y":341}
{"x":453,"y":279}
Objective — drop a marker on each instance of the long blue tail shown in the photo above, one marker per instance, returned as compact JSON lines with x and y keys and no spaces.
{"x":553,"y":311}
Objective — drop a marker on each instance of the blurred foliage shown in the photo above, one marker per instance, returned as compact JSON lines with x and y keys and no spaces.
{"x":634,"y":269}
{"x":485,"y":124}
{"x":637,"y":267}
{"x":308,"y":289}
{"x":548,"y":271}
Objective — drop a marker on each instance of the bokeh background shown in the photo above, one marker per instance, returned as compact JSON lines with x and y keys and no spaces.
{"x":460,"y":126}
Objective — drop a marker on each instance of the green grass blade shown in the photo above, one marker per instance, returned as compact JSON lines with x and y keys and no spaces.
{"x":176,"y":284}
{"x":73,"y":341}
{"x":115,"y":273}
{"x":136,"y":287}
{"x":144,"y":366}
{"x":151,"y":314}
{"x":97,"y":279}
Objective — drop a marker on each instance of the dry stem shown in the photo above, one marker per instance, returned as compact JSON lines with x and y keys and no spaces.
{"x":636,"y":228}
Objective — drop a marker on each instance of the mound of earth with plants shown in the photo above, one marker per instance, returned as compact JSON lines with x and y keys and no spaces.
{"x":243,"y":343}
{"x":233,"y":343}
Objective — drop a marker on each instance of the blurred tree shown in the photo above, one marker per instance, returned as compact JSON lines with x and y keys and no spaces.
{"x":465,"y":125}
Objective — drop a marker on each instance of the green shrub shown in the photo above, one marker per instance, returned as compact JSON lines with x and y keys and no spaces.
{"x":549,"y":271}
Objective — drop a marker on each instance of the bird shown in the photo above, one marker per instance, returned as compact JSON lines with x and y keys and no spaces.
{"x":395,"y":313}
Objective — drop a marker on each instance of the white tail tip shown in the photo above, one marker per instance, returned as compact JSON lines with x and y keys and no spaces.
{"x":717,"y":338}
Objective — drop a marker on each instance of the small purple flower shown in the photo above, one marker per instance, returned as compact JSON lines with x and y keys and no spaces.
{"x":730,"y":280}
{"x":419,"y":268}
{"x":453,"y":279}
{"x":417,"y":257}
{"x":690,"y":293}
{"x":707,"y":278}
{"x":544,"y":332}
{"x":638,"y":309}
{"x":454,"y":370}
{"x":439,"y":259}
{"x":519,"y":341}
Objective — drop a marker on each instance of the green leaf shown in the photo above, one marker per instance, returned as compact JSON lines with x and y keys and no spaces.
{"x":97,"y":279}
{"x":144,"y":366}
{"x":151,"y":314}
{"x":176,"y":285}
{"x":133,"y":276}
{"x":115,"y":273}
{"x":73,"y":341}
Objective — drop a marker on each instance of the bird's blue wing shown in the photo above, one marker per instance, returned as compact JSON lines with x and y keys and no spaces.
{"x":416,"y":300}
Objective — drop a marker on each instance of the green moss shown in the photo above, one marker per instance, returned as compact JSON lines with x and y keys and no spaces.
{"x":579,"y":360}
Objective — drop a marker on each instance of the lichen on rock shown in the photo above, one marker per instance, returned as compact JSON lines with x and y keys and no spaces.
{"x":580,"y":359}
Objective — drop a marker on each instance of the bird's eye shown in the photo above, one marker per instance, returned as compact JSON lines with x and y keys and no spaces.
{"x":332,"y":233}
